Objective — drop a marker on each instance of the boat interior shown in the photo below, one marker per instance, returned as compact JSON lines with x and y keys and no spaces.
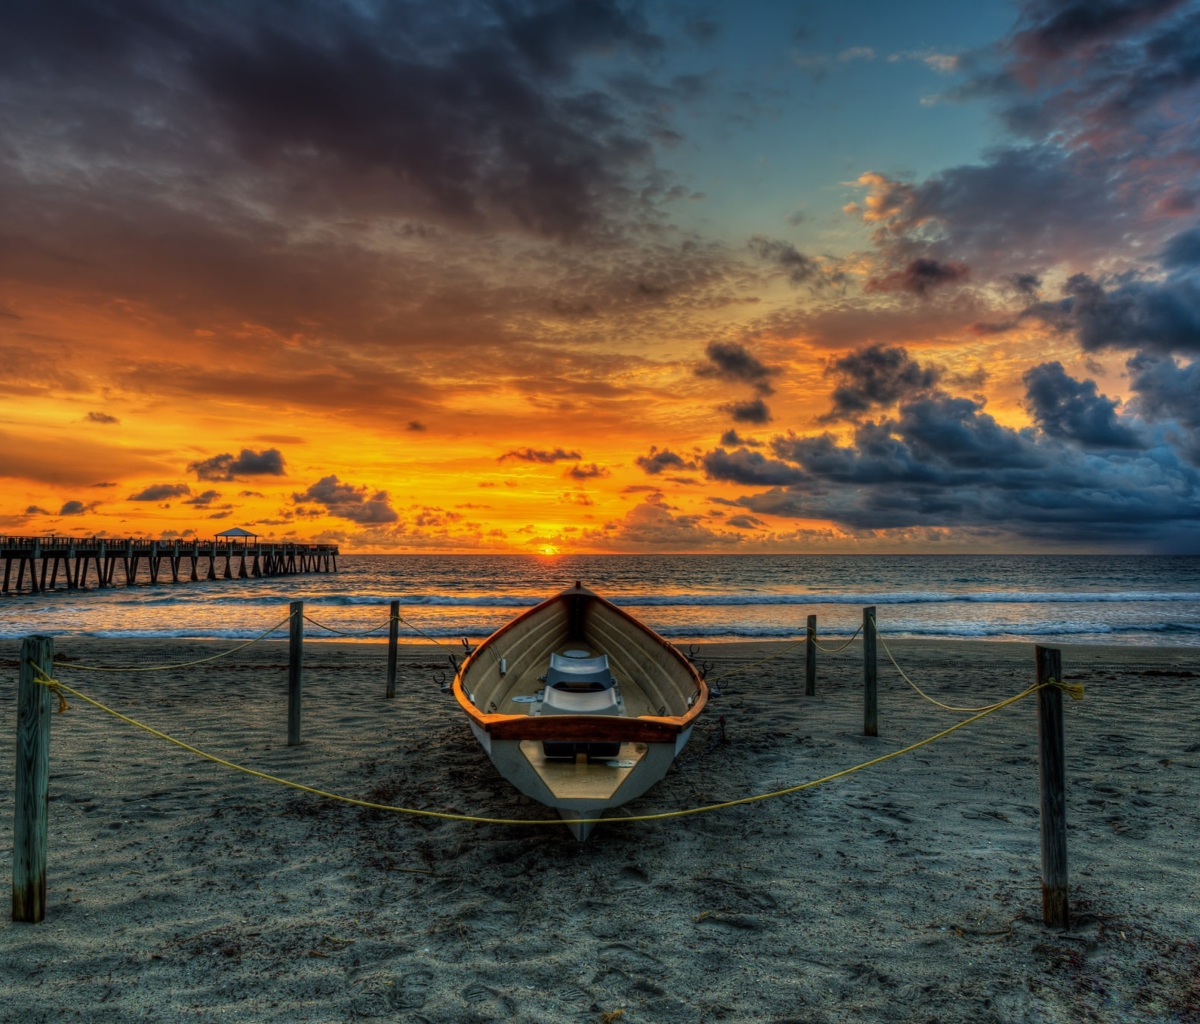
{"x":577,"y":655}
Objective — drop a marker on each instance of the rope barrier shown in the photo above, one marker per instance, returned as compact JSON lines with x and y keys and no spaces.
{"x":1069,"y":688}
{"x":342,"y":632}
{"x":408,"y":622}
{"x":836,"y":650}
{"x":779,"y":654}
{"x":182,"y":664}
{"x":56,"y":686}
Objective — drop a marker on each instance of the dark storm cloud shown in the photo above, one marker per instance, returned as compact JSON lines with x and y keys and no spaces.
{"x":1072,"y":410}
{"x":731,"y":361}
{"x":876,"y":376}
{"x":472,"y":112}
{"x":160,"y":492}
{"x":753,"y":410}
{"x":1158,"y":316}
{"x":348,"y":501}
{"x":1182,"y":251}
{"x":1056,"y":28}
{"x":751,"y":468}
{"x":1099,"y":102}
{"x":541,"y":455}
{"x":658,"y":461}
{"x":944,"y":461}
{"x":921,"y":276}
{"x":1025,"y":284}
{"x":1167,"y":393}
{"x":268,"y":462}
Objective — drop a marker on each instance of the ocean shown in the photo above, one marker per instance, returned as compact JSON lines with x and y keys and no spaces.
{"x":1061,"y":598}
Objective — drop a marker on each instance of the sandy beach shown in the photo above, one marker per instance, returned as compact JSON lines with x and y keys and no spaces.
{"x":181,"y":891}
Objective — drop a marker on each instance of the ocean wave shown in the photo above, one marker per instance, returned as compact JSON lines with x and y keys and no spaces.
{"x":690,"y":631}
{"x":140,"y":598}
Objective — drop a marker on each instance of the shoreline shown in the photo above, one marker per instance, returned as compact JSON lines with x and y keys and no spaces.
{"x":905,"y":891}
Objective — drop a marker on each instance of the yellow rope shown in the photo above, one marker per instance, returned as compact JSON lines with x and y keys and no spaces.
{"x":342,"y":632}
{"x":408,"y":622}
{"x":835,"y":650}
{"x":56,"y":685}
{"x":164,"y":668}
{"x":1069,"y":688}
{"x":778,"y":654}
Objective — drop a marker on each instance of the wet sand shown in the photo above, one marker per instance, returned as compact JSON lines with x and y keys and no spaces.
{"x":181,"y":891}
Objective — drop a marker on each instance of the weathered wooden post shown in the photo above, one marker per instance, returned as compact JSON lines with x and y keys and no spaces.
{"x":870,"y":695}
{"x":393,"y":638}
{"x":33,"y":782}
{"x":810,"y":659}
{"x":295,"y":671}
{"x":1052,"y":782}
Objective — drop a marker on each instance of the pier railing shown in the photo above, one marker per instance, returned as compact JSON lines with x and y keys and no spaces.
{"x":78,"y":559}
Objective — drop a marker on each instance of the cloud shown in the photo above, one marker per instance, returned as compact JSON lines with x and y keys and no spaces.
{"x":268,"y":462}
{"x":101,"y":417}
{"x":540,"y":455}
{"x":743,"y":522}
{"x":1166,"y":392}
{"x":651,"y":526}
{"x":1156,"y":316}
{"x":207,"y":498}
{"x":657,"y":461}
{"x":732,"y":439}
{"x":751,"y":411}
{"x":77,"y":508}
{"x":731,"y":362}
{"x":416,"y":425}
{"x":1072,"y":410}
{"x":921,"y":276}
{"x":752,"y":468}
{"x":944,"y":462}
{"x":1058,"y":29}
{"x":37,"y":510}
{"x":800,"y":269}
{"x":348,"y":501}
{"x":586,"y":472}
{"x":160,"y":492}
{"x":877,"y":375}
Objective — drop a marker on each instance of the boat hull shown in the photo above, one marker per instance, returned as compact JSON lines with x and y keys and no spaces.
{"x":661,"y":695}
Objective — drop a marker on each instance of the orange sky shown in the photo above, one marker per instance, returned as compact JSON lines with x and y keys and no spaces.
{"x":601,"y":278}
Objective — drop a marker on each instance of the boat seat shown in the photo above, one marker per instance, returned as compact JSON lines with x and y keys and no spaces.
{"x":587,"y":675}
{"x":580,"y":702}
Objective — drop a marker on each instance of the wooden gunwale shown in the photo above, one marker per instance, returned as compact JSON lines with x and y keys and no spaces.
{"x":591,"y":728}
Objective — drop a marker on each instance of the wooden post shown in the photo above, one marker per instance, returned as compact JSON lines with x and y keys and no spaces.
{"x":1052,"y":782}
{"x":33,"y":782}
{"x":295,"y":656}
{"x":810,"y":659}
{"x":870,"y":697}
{"x":393,"y":635}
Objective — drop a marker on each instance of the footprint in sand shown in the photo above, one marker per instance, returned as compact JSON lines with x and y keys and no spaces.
{"x":488,"y":1002}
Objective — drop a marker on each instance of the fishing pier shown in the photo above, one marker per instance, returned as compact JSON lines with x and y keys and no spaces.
{"x":48,"y":563}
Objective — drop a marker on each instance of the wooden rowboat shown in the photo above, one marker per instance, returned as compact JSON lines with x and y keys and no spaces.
{"x":579,"y":705}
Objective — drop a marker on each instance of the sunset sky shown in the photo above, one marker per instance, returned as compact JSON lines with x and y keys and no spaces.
{"x":597,"y":276}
